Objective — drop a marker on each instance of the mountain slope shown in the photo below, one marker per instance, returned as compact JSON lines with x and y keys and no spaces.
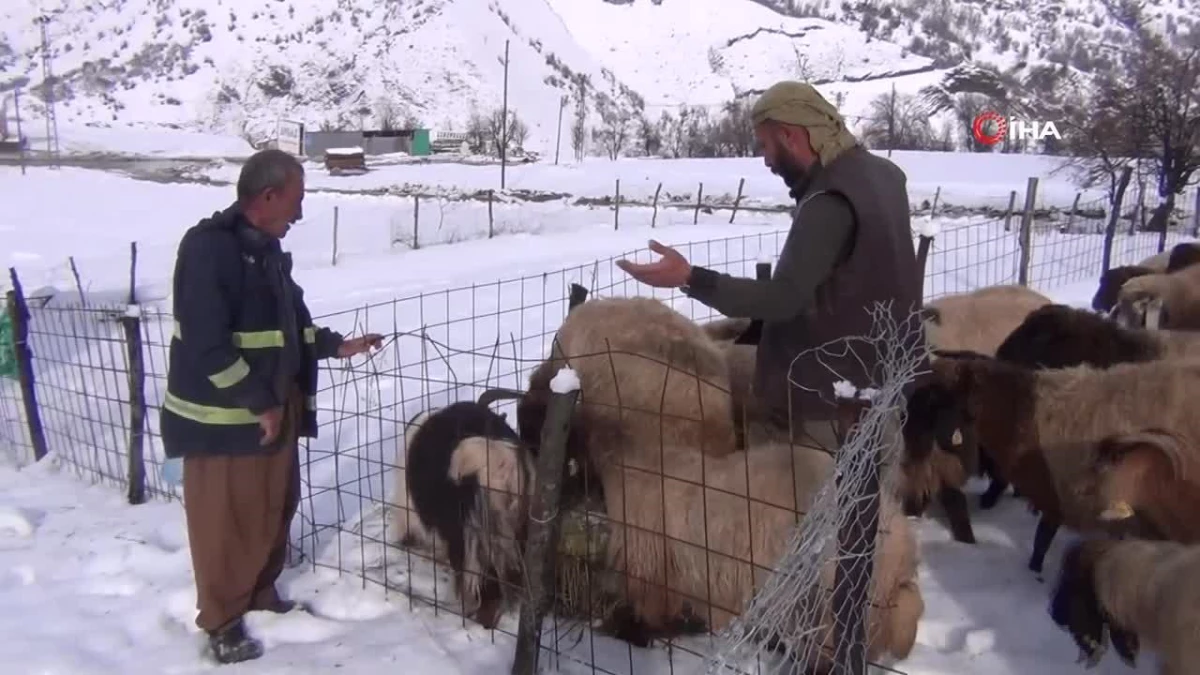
{"x":228,"y":65}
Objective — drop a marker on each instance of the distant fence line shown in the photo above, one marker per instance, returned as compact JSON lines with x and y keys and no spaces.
{"x":88,"y":379}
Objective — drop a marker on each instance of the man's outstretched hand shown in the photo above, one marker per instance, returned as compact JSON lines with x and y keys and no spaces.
{"x":670,"y":271}
{"x":359,"y":345}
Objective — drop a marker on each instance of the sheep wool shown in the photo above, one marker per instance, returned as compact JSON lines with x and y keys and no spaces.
{"x":1174,"y":296}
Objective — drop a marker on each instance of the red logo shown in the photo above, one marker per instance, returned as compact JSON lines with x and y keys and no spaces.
{"x":989,"y":128}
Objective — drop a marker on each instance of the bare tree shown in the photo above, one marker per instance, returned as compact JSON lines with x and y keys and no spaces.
{"x":897,"y":122}
{"x":966,"y":108}
{"x":615,"y":127}
{"x":579,"y":126}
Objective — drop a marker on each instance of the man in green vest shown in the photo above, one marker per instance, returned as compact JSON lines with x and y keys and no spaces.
{"x":849,"y":247}
{"x":241,"y":382}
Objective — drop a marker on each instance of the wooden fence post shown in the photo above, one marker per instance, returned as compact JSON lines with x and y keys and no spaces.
{"x":1114,"y":217}
{"x":699,"y":203}
{"x":859,"y":515}
{"x":936,"y":196}
{"x":416,"y":222}
{"x":1012,"y":204}
{"x":1196,"y":215}
{"x":654,"y":214}
{"x":1071,"y":214}
{"x":544,"y":530}
{"x":617,"y":206}
{"x":19,"y":314}
{"x":737,"y":201}
{"x":577,"y":296}
{"x":333,"y":260}
{"x":1137,"y":209}
{"x":131,"y":326}
{"x":491,"y":218}
{"x":924,"y":243}
{"x":1026,"y":235}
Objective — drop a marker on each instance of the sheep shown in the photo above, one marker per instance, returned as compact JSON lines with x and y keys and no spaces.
{"x":725,"y":329}
{"x":1111,"y":282}
{"x":1148,"y":477}
{"x":1183,"y":255}
{"x":979,"y":320}
{"x":1058,"y":336}
{"x":650,"y":372}
{"x":468,"y":479}
{"x":724,"y":541}
{"x":1142,"y":592}
{"x":1162,"y":300}
{"x":1020,"y":414}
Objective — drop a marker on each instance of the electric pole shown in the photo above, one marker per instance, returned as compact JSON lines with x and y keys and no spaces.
{"x":562,"y":104}
{"x":504,"y":121}
{"x":48,"y":91}
{"x":20,"y":135}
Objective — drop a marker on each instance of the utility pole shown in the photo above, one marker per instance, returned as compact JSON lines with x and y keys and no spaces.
{"x":48,"y":92}
{"x":20,"y":135}
{"x":504,"y":122}
{"x":892,"y":121}
{"x":562,"y":104}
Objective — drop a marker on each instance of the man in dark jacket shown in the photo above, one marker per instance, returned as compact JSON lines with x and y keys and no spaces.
{"x":241,"y":382}
{"x":849,"y":247}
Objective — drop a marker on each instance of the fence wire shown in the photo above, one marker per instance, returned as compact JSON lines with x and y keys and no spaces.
{"x":453,"y":345}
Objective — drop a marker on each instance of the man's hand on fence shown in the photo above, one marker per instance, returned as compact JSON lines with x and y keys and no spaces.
{"x":270,"y":422}
{"x":670,"y":271}
{"x":359,"y":345}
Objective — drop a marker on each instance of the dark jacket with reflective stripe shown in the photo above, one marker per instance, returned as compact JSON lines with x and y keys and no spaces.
{"x":243,"y":337}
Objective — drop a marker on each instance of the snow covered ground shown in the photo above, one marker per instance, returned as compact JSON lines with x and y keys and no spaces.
{"x":95,"y":586}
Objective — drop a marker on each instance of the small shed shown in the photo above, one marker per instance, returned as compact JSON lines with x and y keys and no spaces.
{"x":345,"y":161}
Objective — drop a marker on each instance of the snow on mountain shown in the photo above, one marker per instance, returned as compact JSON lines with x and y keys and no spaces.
{"x":227,"y":65}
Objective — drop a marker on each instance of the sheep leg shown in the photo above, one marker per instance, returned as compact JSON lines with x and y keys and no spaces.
{"x":954,"y":502}
{"x":624,"y":624}
{"x":993,"y":493}
{"x":1125,"y":644}
{"x":491,"y":603}
{"x":1042,"y":538}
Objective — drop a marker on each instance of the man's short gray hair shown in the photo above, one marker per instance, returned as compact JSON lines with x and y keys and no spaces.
{"x":266,"y":170}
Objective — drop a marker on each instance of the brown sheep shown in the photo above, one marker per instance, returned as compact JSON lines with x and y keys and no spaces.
{"x":723,"y":544}
{"x":1183,"y":255}
{"x":1150,"y":476}
{"x":976,"y":321}
{"x":1058,"y":336}
{"x":1018,"y":413}
{"x":1162,"y":300}
{"x":650,"y":372}
{"x":1136,"y":591}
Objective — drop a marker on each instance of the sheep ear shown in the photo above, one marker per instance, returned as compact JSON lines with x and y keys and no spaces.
{"x":932,"y":315}
{"x":1167,"y":444}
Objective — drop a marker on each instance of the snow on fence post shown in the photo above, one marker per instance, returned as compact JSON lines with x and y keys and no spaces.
{"x":654,"y":214}
{"x":927,"y":231}
{"x":1026,"y":234}
{"x":416,"y":222}
{"x":856,"y":541}
{"x":737,"y":201}
{"x":19,"y":314}
{"x":544,"y":521}
{"x":1114,"y":217}
{"x":617,"y":206}
{"x":1012,"y":204}
{"x":699,"y":203}
{"x":131,"y":326}
{"x":333,"y":258}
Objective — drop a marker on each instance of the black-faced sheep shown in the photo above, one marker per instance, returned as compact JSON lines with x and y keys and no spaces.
{"x":1111,"y":282}
{"x":649,"y":372}
{"x":1023,"y":416}
{"x":1149,"y":477}
{"x":724,"y":541}
{"x":1140,"y":592}
{"x":467,"y":478}
{"x":1058,"y":336}
{"x":1183,"y":255}
{"x":1162,"y":300}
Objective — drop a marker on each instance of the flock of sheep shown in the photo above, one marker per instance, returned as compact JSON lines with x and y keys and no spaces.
{"x":1085,"y":416}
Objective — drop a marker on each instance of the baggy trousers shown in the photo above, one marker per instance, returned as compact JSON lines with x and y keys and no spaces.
{"x":239,"y":512}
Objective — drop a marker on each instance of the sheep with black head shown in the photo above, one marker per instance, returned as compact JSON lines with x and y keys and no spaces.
{"x":1167,"y":300}
{"x":467,"y":478}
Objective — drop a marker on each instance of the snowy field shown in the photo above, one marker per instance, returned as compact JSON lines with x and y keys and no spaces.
{"x":91,"y":585}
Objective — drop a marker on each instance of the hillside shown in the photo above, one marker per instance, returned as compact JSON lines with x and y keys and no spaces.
{"x":221,"y":64}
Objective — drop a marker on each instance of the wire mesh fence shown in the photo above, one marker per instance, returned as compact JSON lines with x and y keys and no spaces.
{"x":452,"y":346}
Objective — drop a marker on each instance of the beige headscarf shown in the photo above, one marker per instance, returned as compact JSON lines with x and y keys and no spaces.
{"x":798,"y":103}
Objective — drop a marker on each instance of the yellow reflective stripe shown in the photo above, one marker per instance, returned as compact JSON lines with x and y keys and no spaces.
{"x":260,"y":339}
{"x":207,"y":414}
{"x":231,"y":375}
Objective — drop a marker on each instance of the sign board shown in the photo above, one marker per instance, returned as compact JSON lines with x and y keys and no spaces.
{"x":289,"y":137}
{"x":8,"y":349}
